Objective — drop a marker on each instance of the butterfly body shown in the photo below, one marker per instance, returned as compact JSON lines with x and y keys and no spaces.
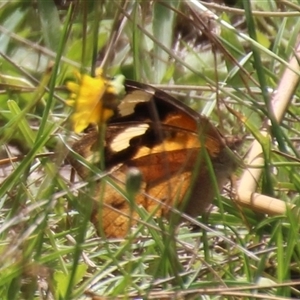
{"x":171,"y":145}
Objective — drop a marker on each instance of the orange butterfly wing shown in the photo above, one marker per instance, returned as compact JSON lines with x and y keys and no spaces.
{"x":163,"y":139}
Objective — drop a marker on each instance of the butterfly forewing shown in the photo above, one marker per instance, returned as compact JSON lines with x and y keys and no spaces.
{"x":165,"y":140}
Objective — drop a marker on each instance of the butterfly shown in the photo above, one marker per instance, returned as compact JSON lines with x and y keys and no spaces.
{"x":178,"y":154}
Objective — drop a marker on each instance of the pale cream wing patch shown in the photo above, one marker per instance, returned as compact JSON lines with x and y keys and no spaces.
{"x":122,"y":140}
{"x":128,"y":104}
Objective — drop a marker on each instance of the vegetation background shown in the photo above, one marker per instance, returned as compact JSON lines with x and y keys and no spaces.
{"x":233,"y":55}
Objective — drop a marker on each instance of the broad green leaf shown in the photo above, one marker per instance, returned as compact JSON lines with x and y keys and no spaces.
{"x":62,"y":279}
{"x":163,"y":23}
{"x":50,"y":23}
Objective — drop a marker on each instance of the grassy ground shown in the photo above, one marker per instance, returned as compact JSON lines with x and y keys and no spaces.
{"x":49,"y":250}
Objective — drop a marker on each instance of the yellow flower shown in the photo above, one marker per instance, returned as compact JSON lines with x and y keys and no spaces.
{"x":93,"y":99}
